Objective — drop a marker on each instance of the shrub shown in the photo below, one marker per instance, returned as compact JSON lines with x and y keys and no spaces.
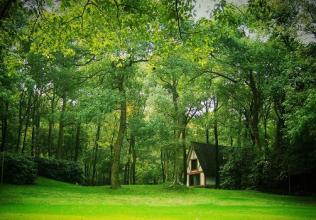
{"x":18,"y":169}
{"x":63,"y":170}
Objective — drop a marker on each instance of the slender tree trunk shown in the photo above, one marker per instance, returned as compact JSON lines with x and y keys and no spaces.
{"x":20,"y":123}
{"x":132,"y":161}
{"x":239,"y":130}
{"x":4,"y":125}
{"x":115,"y":170}
{"x":134,"y":165}
{"x":177,"y":171}
{"x":162,"y":161}
{"x":217,"y":180}
{"x":77,"y":143}
{"x":37,"y":132}
{"x":51,"y":126}
{"x":255,"y":108}
{"x":49,"y":138}
{"x":27,"y":114}
{"x":184,"y":165}
{"x":207,"y":135}
{"x":61,"y":129}
{"x":207,"y":132}
{"x":96,"y":149}
{"x":33,"y":126}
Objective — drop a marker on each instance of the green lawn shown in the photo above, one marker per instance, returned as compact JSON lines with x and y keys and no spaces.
{"x":49,"y":199}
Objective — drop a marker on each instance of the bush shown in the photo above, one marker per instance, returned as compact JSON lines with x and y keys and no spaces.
{"x":63,"y":170}
{"x":18,"y":169}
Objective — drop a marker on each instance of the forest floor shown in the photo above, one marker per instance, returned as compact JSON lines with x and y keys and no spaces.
{"x":49,"y":199}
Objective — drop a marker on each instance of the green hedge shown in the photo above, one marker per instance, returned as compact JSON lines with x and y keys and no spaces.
{"x":18,"y":169}
{"x":63,"y":170}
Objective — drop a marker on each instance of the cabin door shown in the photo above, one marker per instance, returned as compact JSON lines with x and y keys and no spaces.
{"x":195,"y":180}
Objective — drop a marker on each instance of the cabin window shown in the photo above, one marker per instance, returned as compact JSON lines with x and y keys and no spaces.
{"x":194,"y":164}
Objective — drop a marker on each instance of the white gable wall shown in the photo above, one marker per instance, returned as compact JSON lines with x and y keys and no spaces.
{"x":199,"y":170}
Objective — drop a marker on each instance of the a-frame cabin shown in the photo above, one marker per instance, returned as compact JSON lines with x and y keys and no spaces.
{"x":201,"y":165}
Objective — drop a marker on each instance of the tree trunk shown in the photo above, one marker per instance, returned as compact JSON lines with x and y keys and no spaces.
{"x":207,"y":136}
{"x":77,"y":143}
{"x":61,"y":129}
{"x":20,"y":123}
{"x":162,"y":161}
{"x":255,"y":108}
{"x":51,"y":126}
{"x":115,"y":170}
{"x":27,"y":115}
{"x":239,"y":130}
{"x":33,"y":126}
{"x":37,"y":131}
{"x":207,"y":132}
{"x":177,"y":171}
{"x":132,"y":161}
{"x":217,"y":180}
{"x":184,"y":165}
{"x":96,"y":149}
{"x":4,"y":126}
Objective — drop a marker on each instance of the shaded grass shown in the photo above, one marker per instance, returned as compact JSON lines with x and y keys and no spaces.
{"x":49,"y":199}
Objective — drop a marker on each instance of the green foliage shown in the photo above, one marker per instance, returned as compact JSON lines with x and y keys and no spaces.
{"x":237,"y":168}
{"x":149,"y":173}
{"x":18,"y":169}
{"x":63,"y":170}
{"x":65,"y":68}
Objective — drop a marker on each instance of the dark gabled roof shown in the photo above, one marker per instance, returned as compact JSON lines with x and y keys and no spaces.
{"x":206,"y":155}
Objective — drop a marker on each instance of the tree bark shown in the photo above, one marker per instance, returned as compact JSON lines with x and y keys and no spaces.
{"x":77,"y":143}
{"x":184,"y":154}
{"x":132,"y":161}
{"x":217,"y":180}
{"x":33,"y":126}
{"x":27,"y":114}
{"x":255,"y":108}
{"x":163,"y":174}
{"x":37,"y":130}
{"x":4,"y":126}
{"x":20,"y":123}
{"x":96,"y":149}
{"x":115,"y":169}
{"x":61,"y":129}
{"x":51,"y":126}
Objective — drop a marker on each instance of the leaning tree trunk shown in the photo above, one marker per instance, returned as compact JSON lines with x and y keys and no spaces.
{"x":115,"y":170}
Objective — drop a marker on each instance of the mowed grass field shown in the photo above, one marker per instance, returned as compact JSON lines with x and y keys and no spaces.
{"x":49,"y":199}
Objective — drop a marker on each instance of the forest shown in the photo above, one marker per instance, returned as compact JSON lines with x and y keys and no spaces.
{"x":115,"y":91}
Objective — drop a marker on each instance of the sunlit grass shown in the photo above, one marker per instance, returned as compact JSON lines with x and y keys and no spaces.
{"x":49,"y":199}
